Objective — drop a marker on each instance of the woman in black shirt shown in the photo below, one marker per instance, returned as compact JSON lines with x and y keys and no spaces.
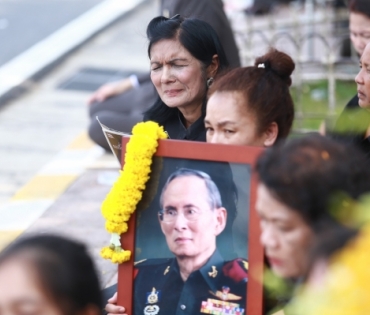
{"x":185,"y":56}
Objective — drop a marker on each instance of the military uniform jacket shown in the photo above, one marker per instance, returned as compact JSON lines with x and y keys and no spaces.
{"x":159,"y":289}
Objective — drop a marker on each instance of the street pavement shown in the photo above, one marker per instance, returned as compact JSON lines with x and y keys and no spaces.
{"x":53,"y":178}
{"x":32,"y":21}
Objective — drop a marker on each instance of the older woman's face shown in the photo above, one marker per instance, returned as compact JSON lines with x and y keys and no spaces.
{"x":178,"y":76}
{"x":285,"y":236}
{"x":359,"y":27}
{"x":229,"y":122}
{"x":363,"y":79}
{"x":20,"y":292}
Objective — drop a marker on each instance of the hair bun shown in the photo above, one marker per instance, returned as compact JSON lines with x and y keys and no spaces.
{"x":279,"y":63}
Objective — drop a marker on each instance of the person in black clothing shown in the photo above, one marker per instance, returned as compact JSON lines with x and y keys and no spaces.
{"x":352,"y":126}
{"x":353,"y":123}
{"x":261,"y":7}
{"x":185,"y":56}
{"x":120,"y":105}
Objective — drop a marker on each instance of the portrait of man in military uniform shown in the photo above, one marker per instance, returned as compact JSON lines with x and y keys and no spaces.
{"x":196,"y":279}
{"x":233,"y":183}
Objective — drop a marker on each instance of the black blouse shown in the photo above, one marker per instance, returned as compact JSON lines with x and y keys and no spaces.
{"x":177,"y":130}
{"x":352,"y":125}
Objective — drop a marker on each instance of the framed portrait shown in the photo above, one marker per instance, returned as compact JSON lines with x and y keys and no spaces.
{"x":195,"y":234}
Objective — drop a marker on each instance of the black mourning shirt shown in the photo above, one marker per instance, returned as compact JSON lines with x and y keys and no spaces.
{"x":177,"y":130}
{"x":352,"y":125}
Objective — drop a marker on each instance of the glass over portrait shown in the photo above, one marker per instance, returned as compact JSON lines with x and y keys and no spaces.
{"x":191,"y":244}
{"x":195,"y":234}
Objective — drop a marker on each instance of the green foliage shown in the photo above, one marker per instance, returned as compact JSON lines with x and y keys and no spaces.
{"x":278,"y":291}
{"x":311,"y":99}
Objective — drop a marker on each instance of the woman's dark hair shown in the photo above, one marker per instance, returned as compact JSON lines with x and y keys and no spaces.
{"x":312,"y":175}
{"x":265,"y":88}
{"x":64,"y":268}
{"x":198,"y":38}
{"x":360,"y":6}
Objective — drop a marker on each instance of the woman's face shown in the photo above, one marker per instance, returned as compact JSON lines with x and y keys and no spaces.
{"x":178,"y":76}
{"x":359,"y":27}
{"x":285,"y":236}
{"x":229,"y":122}
{"x":363,"y":79}
{"x":20,"y":292}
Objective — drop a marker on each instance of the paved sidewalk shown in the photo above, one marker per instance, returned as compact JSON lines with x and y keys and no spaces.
{"x":53,"y":178}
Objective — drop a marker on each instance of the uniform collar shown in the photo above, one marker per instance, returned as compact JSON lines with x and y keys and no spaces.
{"x":210,"y":272}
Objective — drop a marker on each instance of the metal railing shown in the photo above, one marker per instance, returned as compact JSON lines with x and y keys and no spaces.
{"x":313,"y":35}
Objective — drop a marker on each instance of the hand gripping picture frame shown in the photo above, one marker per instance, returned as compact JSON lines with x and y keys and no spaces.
{"x":195,"y":234}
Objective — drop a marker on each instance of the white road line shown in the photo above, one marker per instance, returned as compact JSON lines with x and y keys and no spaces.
{"x":57,"y":45}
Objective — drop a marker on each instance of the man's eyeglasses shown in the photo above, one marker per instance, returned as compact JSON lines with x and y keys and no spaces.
{"x":171,"y":215}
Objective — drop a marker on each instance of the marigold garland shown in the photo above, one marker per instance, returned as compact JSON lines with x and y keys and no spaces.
{"x":127,"y":191}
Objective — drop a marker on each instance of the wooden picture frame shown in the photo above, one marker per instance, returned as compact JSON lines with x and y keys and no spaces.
{"x":189,"y":150}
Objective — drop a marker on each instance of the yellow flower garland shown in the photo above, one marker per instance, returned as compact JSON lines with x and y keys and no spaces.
{"x":127,"y":191}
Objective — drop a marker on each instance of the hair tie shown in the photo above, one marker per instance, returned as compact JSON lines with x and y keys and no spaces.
{"x":261,"y":65}
{"x":175,"y":17}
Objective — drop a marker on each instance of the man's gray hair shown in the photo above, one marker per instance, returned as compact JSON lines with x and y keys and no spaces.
{"x":214,"y":196}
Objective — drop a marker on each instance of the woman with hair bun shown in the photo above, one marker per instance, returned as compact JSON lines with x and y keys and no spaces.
{"x":252,"y":105}
{"x":247,"y":106}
